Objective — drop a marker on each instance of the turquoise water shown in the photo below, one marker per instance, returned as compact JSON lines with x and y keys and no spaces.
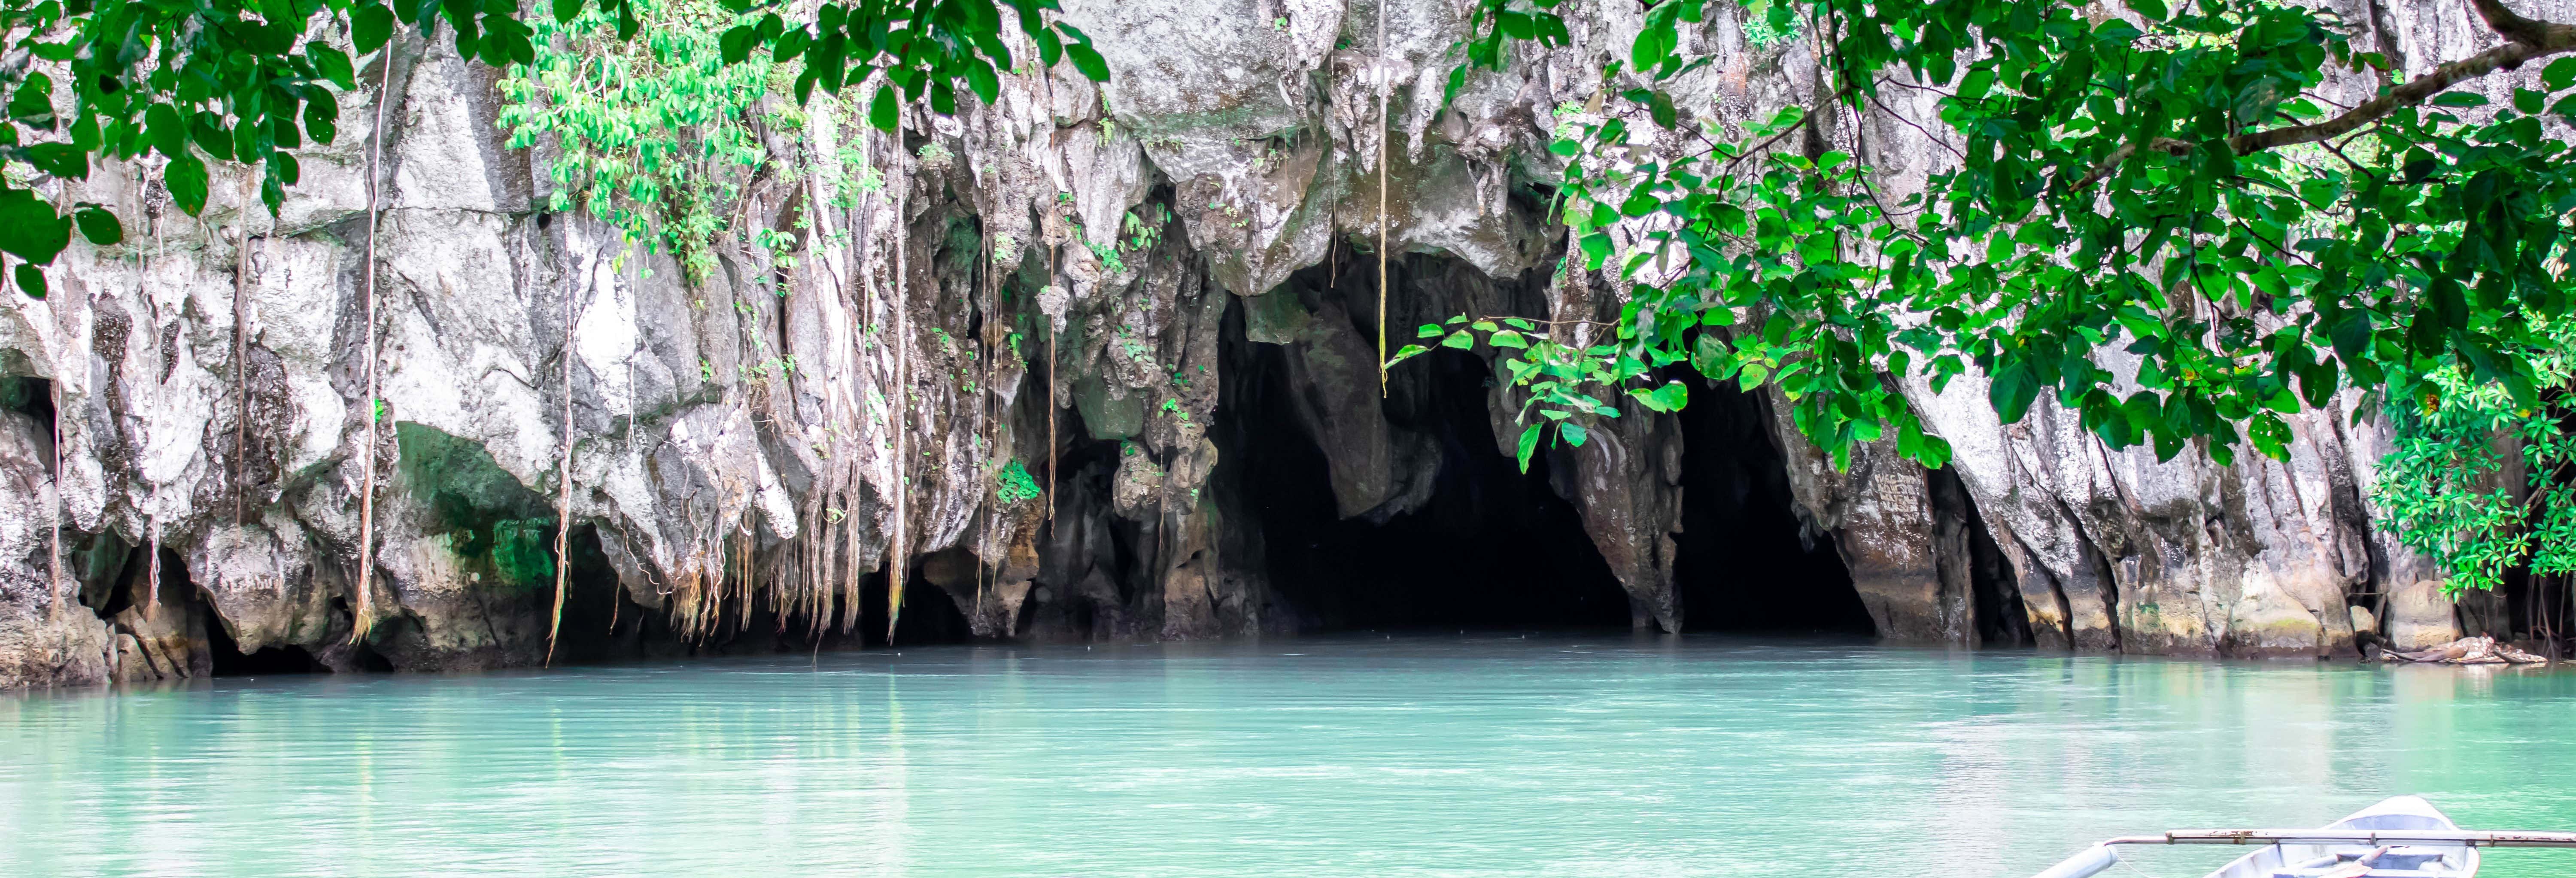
{"x":1552,"y":755}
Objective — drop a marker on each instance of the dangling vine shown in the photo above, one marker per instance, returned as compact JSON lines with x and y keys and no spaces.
{"x":652,"y":136}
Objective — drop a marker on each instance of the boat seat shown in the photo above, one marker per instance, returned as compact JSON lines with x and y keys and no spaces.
{"x":2394,"y":861}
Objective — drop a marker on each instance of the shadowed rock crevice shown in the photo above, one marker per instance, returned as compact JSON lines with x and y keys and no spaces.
{"x":1746,"y":561}
{"x":1969,"y":554}
{"x":32,"y":397}
{"x":228,"y":659}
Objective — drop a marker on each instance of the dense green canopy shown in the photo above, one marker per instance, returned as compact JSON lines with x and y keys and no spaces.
{"x":2169,"y":190}
{"x":2167,"y":184}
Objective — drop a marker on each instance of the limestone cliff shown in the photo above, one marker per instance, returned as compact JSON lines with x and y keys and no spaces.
{"x":1060,"y":283}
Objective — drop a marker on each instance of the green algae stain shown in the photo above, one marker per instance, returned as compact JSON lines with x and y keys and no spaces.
{"x":498,"y":527}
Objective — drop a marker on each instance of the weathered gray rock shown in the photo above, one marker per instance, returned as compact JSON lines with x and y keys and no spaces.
{"x":757,"y":451}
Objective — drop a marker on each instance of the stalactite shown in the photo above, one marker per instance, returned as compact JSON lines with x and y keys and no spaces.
{"x":367,"y":493}
{"x":152,"y":572}
{"x":750,"y":570}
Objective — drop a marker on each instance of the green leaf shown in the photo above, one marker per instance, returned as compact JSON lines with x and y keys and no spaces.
{"x":2013,"y":392}
{"x":34,"y":100}
{"x":2559,"y":74}
{"x":185,"y":177}
{"x":163,"y":129}
{"x":983,"y":81}
{"x":371,"y":27}
{"x":98,"y":225}
{"x":1668,"y":398}
{"x":735,"y":45}
{"x":1574,"y":433}
{"x":1507,"y":339}
{"x":1050,"y":47}
{"x":60,"y":160}
{"x":881,"y":109}
{"x":1596,"y":246}
{"x":31,"y":281}
{"x":215,"y":141}
{"x":1640,"y":203}
{"x":1428,"y":330}
{"x":1529,"y":443}
{"x":1979,"y":81}
{"x":1406,"y":353}
{"x":1086,"y":59}
{"x":2459,"y":99}
{"x":790,"y":45}
{"x":1459,"y":340}
{"x":2152,"y":10}
{"x":332,"y":65}
{"x":29,"y":228}
{"x":322,"y":118}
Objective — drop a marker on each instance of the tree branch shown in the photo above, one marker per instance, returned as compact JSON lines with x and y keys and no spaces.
{"x":2526,"y":39}
{"x":2514,"y":27}
{"x":2165,"y":145}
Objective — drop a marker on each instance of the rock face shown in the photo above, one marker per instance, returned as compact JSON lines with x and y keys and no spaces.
{"x":1050,"y":288}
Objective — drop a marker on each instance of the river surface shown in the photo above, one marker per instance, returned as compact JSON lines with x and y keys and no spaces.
{"x":1555,"y":755}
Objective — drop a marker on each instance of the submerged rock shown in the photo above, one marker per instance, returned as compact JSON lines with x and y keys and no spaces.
{"x":2466,"y":651}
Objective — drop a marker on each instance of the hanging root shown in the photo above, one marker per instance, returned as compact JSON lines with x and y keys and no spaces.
{"x":1386,"y":132}
{"x":563,"y":500}
{"x":365,"y":612}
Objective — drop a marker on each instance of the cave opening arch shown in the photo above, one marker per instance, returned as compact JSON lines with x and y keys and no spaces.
{"x":1447,"y":533}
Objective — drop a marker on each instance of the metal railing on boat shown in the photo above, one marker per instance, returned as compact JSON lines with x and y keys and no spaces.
{"x":2101,"y":856}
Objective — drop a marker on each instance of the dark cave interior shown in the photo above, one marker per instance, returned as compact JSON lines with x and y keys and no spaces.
{"x":1747,"y":564}
{"x":1494,"y":548}
{"x":1491,"y":549}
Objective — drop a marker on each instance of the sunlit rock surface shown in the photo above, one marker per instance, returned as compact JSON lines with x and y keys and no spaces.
{"x":755,"y":452}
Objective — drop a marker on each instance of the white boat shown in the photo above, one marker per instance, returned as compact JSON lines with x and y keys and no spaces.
{"x":2402,"y":837}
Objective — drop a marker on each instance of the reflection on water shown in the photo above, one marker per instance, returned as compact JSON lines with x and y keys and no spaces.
{"x":1552,"y":755}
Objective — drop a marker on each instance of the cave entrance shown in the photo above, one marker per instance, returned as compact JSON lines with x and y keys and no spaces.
{"x":231,"y":661}
{"x":1746,"y":562}
{"x":1480,"y":546}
